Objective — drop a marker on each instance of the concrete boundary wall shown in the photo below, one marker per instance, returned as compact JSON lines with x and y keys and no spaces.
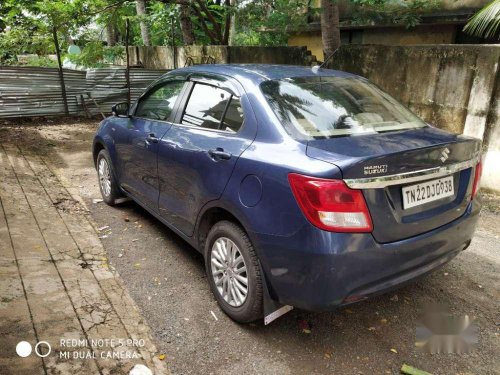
{"x":453,"y":87}
{"x":162,"y":57}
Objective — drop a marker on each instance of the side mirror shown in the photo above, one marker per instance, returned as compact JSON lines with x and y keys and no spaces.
{"x":120,"y":109}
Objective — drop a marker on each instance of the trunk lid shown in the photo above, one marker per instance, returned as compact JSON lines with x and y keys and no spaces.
{"x":365,"y":160}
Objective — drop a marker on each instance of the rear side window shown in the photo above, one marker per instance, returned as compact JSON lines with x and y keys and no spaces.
{"x":213,"y":108}
{"x":234,"y":116}
{"x":160,"y":101}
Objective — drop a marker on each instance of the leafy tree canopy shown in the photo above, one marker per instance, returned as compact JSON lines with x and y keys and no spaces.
{"x":26,"y":25}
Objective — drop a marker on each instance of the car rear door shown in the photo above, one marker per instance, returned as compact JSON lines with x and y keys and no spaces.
{"x":197,"y":155}
{"x":149,"y":122}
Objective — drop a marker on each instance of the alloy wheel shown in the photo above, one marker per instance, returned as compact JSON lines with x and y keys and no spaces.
{"x":229,"y":271}
{"x":104,"y":177}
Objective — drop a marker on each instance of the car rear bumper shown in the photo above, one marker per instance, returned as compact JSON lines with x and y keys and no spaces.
{"x":317,"y":270}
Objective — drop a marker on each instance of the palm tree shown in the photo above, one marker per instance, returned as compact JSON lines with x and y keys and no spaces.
{"x":486,"y":22}
{"x":330,"y":30}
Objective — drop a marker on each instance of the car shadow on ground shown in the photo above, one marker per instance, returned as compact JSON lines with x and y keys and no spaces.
{"x":64,"y":134}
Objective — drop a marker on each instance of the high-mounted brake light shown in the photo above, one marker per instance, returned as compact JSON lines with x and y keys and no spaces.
{"x":477,"y":179}
{"x":330,"y":204}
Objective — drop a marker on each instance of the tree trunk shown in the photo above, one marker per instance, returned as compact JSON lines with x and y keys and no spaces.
{"x":140,"y":6}
{"x":111,"y":34}
{"x":61,"y":74}
{"x":330,"y":28}
{"x":186,"y":24}
{"x":227,"y":25}
{"x":232,"y":29}
{"x":217,"y":31}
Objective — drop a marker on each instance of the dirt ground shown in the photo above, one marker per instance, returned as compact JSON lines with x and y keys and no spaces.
{"x":165,"y":277}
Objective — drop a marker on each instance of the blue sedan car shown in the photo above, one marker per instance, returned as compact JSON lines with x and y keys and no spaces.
{"x":302,"y":188}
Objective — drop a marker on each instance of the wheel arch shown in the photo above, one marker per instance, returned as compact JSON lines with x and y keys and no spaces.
{"x":103,"y":142}
{"x":209,"y":217}
{"x":97,"y":147}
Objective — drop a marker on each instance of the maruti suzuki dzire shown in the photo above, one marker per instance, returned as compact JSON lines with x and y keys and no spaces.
{"x":302,"y":188}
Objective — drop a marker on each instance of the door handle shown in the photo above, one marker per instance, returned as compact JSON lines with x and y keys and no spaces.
{"x":219,"y":154}
{"x":151,"y":138}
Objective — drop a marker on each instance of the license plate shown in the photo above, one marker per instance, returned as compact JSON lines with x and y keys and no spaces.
{"x":425,"y":192}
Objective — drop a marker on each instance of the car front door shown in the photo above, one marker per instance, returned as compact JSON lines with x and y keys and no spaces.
{"x":151,"y":119}
{"x":197,"y":155}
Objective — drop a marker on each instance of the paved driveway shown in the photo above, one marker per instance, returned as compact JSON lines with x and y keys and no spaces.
{"x":165,"y":277}
{"x":56,"y":285}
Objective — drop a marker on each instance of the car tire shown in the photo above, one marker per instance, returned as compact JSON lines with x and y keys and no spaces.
{"x":106,"y":178}
{"x":232,"y":235}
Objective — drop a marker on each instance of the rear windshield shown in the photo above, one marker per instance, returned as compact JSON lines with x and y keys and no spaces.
{"x":322,"y":107}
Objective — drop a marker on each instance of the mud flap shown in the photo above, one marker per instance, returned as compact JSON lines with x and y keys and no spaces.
{"x":122,"y":200}
{"x":272,"y":309}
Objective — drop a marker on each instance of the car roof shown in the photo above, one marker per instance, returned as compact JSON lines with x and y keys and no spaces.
{"x":263,"y":72}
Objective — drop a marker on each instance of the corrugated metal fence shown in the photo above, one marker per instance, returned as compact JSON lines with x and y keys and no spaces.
{"x":33,"y":91}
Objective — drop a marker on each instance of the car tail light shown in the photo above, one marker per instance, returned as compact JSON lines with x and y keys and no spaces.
{"x":330,"y":204}
{"x":477,"y":179}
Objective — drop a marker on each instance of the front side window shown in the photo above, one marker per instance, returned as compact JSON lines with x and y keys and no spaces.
{"x":319,"y":107}
{"x":213,"y":108}
{"x":159,"y":103}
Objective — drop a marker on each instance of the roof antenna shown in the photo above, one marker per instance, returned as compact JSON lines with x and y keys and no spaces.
{"x":316,"y":68}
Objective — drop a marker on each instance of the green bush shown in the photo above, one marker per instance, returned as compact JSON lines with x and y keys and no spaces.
{"x":95,"y":55}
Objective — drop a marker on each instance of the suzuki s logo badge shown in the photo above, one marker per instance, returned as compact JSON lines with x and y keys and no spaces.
{"x":444,"y":154}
